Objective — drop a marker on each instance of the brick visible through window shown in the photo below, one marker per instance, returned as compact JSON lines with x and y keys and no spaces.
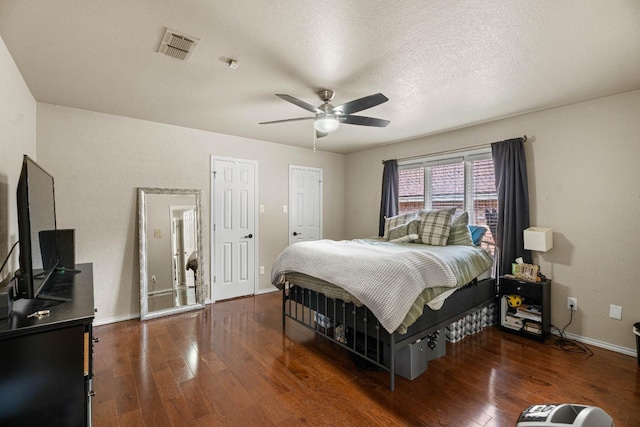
{"x":445,"y":186}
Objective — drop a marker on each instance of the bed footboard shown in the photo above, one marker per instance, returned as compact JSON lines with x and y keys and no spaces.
{"x":354,"y":328}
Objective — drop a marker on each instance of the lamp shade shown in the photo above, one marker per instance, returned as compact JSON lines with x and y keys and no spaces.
{"x":538,"y":239}
{"x":326,"y":123}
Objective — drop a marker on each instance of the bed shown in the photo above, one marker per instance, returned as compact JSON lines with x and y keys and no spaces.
{"x":376,"y":296}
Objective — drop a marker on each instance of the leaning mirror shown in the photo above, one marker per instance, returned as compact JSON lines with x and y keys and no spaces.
{"x":171,"y":261}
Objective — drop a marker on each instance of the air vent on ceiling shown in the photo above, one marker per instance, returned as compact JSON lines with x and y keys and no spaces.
{"x":178,"y":45}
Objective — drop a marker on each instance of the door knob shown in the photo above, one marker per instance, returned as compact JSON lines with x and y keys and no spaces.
{"x":295,"y":233}
{"x":248,"y":236}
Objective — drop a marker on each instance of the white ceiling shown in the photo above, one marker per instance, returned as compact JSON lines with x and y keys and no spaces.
{"x":442,"y":64}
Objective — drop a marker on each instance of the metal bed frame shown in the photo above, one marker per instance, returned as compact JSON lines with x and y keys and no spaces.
{"x":370,"y":340}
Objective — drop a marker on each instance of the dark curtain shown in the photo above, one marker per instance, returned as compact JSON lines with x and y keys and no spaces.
{"x":513,"y":202}
{"x":389,"y":201}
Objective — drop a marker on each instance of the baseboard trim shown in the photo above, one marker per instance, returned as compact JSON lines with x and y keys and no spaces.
{"x":602,"y":344}
{"x":267,"y":291}
{"x":110,"y":320}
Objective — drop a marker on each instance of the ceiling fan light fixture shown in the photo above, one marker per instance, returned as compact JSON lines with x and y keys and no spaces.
{"x":326,"y":123}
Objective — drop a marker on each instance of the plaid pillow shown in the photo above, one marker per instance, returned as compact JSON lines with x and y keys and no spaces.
{"x":435,"y":227}
{"x":410,"y":228}
{"x":460,"y":234}
{"x":397,"y":220}
{"x":414,"y":226}
{"x":405,"y":239}
{"x":399,"y":231}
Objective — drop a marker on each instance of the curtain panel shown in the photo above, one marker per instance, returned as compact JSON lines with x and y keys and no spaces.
{"x":390,"y":190}
{"x":510,"y":167}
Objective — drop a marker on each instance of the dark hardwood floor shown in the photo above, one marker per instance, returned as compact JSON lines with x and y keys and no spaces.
{"x":231,"y":364}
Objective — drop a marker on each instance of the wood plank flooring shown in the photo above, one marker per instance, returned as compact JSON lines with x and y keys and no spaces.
{"x":231,"y":365}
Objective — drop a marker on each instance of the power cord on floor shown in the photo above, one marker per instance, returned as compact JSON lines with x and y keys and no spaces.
{"x":567,"y":345}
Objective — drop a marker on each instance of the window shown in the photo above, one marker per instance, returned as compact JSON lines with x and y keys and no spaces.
{"x":465,"y":181}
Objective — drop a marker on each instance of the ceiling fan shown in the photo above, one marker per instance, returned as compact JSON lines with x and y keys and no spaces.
{"x":328,"y":118}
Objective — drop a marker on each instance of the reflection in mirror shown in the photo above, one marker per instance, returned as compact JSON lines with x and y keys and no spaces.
{"x":171,"y":261}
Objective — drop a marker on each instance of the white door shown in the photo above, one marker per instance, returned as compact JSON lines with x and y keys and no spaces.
{"x":305,"y":204}
{"x":234,"y":227}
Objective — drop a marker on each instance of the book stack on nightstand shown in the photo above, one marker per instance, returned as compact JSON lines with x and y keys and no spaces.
{"x":527,"y":317}
{"x":532,"y":318}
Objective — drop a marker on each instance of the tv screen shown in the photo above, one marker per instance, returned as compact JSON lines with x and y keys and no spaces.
{"x":37,"y":228}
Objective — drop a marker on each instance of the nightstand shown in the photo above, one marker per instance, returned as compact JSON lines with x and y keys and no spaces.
{"x":532,"y":319}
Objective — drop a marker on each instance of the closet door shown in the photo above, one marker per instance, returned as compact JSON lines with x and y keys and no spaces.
{"x":305,"y":204}
{"x":234,"y":227}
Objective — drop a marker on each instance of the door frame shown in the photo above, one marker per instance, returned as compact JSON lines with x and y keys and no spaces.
{"x":212,"y":217}
{"x":320,"y":196}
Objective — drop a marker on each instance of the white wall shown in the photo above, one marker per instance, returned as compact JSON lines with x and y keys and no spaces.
{"x":584,"y":182}
{"x":99,"y":160}
{"x":17,"y":137}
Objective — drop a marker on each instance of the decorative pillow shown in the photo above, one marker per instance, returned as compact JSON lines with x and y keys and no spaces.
{"x":414,"y":226}
{"x":460,"y":234}
{"x":399,"y":231}
{"x":435,"y":227}
{"x":405,"y":239}
{"x":397,"y":220}
{"x":477,"y":233}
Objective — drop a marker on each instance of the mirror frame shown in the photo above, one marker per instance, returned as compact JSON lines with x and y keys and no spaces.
{"x":143,"y":192}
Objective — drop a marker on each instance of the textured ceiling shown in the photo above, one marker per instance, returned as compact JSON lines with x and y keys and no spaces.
{"x":442,"y":64}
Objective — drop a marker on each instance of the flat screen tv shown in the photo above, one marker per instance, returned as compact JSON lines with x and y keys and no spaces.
{"x":37,"y":229}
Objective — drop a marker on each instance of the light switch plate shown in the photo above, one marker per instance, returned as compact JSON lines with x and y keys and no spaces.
{"x":615,"y":312}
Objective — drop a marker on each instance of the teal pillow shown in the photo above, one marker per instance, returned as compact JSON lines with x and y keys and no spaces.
{"x":477,"y":233}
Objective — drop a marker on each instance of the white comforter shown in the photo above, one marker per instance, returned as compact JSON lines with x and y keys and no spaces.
{"x":386,"y":277}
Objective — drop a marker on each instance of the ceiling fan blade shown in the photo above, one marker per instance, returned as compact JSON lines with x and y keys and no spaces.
{"x":320,"y":134}
{"x":364,"y":121}
{"x":361,"y":104}
{"x":299,"y":103}
{"x":287,"y":120}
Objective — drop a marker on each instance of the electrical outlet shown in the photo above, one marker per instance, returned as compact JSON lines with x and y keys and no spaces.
{"x":572,"y":302}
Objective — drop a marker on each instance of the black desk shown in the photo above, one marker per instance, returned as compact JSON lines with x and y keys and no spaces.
{"x":46,"y":363}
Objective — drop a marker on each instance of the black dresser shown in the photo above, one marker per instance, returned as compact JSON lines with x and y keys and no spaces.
{"x":46,"y":362}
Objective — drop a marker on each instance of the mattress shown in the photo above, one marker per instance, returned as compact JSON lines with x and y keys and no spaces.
{"x":461,"y":265}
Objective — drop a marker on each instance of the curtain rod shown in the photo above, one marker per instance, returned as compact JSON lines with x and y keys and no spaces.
{"x":422,"y":156}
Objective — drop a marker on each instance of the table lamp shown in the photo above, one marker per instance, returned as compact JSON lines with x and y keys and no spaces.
{"x":539,"y":239}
